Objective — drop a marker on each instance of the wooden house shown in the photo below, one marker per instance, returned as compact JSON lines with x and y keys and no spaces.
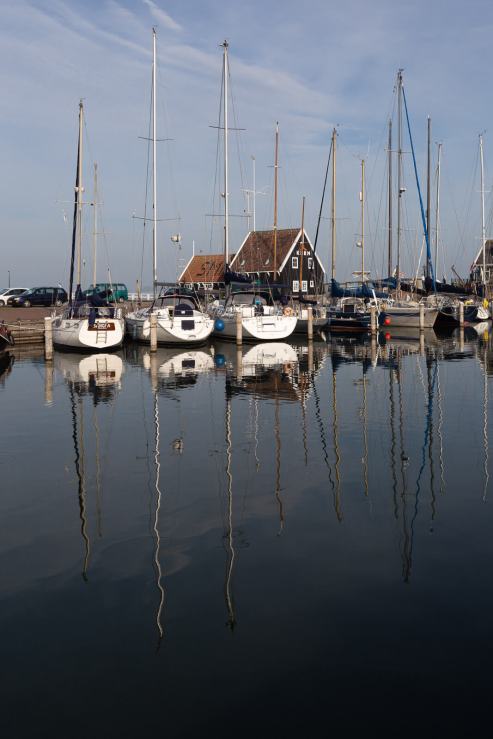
{"x":204,"y":272}
{"x":297,"y":267}
{"x":477,"y":267}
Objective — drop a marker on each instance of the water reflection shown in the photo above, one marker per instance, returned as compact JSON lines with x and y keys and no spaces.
{"x":256,"y":490}
{"x":96,"y":375}
{"x":6,"y":364}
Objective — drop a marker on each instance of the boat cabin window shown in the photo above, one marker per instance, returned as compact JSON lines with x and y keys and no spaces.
{"x":173,"y":300}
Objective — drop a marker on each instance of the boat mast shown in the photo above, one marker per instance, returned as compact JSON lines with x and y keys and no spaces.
{"x":80,"y":190}
{"x":437,"y":217}
{"x":225,"y":46}
{"x":333,"y":208}
{"x":483,"y":232}
{"x":399,"y":174}
{"x":390,"y":201}
{"x":302,"y":244}
{"x":428,"y":195}
{"x":254,"y":192}
{"x":154,"y":162}
{"x":362,"y":221}
{"x":95,"y":231}
{"x":276,"y":166}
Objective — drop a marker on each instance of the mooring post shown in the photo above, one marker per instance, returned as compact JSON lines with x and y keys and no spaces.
{"x":154,"y":368}
{"x":48,"y":338}
{"x":310,"y":357}
{"x":239,"y":328}
{"x":373,"y":349}
{"x":49,"y":383}
{"x":461,"y":314}
{"x":309,"y":311}
{"x":373,"y":319}
{"x":239,"y":364}
{"x":421,"y":317}
{"x":153,"y":325}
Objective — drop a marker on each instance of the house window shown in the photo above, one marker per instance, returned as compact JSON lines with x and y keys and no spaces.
{"x":312,"y":284}
{"x":296,"y":286}
{"x":304,"y":286}
{"x":310,"y":262}
{"x":294,"y":262}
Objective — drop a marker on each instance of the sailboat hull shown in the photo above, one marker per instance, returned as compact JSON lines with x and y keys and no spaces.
{"x":257,"y":328}
{"x":194,"y":329}
{"x":78,"y":333}
{"x":408,"y":317}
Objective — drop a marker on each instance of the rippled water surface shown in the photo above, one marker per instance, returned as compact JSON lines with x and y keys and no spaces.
{"x":279,"y":540}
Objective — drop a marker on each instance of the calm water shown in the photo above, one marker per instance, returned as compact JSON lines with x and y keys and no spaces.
{"x":277,"y":542}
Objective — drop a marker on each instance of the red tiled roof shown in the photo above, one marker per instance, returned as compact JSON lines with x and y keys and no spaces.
{"x":204,"y":268}
{"x":257,"y":253}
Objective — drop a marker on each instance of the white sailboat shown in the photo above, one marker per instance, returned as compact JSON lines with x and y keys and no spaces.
{"x":87,"y":326}
{"x":179,"y":317}
{"x":261,"y":319}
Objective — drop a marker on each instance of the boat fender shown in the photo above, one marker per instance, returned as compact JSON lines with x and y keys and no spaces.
{"x":219,"y":360}
{"x":218,"y":325}
{"x":288,"y":311}
{"x":387,"y":321}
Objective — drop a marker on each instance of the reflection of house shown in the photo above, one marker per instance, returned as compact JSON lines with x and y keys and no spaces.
{"x":204,"y":271}
{"x":296,"y":266}
{"x":477,"y":265}
{"x":290,"y":262}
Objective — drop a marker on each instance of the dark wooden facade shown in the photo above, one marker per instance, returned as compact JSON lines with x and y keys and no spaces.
{"x":298,"y":268}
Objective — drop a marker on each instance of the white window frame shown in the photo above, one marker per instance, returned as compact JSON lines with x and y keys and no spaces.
{"x":304,"y":286}
{"x":310,"y":262}
{"x":294,"y":262}
{"x":296,"y":286}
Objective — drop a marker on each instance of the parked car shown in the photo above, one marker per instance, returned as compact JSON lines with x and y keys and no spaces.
{"x":41,"y":296}
{"x":117,"y":290}
{"x":7,"y":294}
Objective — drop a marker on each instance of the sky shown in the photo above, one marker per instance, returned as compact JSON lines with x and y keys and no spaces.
{"x":309,"y":66}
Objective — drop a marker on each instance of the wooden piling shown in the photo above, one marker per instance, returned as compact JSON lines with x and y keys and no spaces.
{"x":239,"y":364}
{"x":461,"y":314}
{"x":421,"y":317}
{"x":239,"y":328}
{"x":48,"y":323}
{"x":153,"y":327}
{"x":309,"y":311}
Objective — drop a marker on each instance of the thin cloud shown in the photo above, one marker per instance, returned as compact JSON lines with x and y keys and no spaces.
{"x":162,"y":17}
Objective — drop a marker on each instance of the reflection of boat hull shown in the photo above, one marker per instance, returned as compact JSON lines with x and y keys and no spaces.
{"x":6,"y":338}
{"x":258,"y":328}
{"x":185,"y":363}
{"x":77,"y":333}
{"x":265,"y":355}
{"x":100,"y":369}
{"x":194,"y":329}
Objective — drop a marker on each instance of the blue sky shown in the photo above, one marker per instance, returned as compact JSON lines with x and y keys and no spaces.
{"x":309,"y":66}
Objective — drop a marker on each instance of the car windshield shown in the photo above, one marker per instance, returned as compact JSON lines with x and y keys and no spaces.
{"x":3,"y":290}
